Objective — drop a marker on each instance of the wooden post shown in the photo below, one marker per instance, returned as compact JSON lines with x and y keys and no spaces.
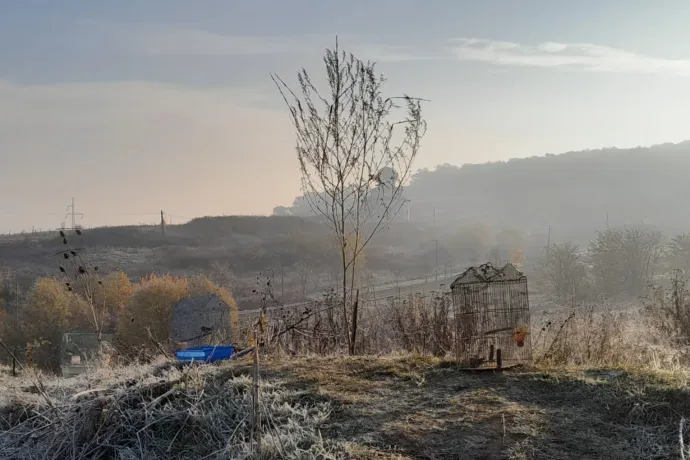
{"x":255,"y":394}
{"x":491,"y":352}
{"x":499,"y":359}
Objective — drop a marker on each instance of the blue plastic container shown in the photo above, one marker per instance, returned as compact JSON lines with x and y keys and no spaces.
{"x":206,"y":354}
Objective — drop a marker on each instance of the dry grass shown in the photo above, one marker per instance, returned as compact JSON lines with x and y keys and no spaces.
{"x":160,"y":412}
{"x":425,"y":408}
{"x":595,"y":335}
{"x":607,"y":384}
{"x":394,"y":407}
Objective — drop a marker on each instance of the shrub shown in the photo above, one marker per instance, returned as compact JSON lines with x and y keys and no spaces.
{"x":145,"y":320}
{"x":49,"y":312}
{"x":667,"y":310}
{"x":146,"y":317}
{"x":112,"y":297}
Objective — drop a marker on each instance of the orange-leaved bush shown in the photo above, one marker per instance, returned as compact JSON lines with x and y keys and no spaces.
{"x":50,"y":311}
{"x":111,"y":296}
{"x":145,"y":321}
{"x":146,"y":317}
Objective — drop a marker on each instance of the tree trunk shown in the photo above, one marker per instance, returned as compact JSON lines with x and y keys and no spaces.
{"x":346,"y":321}
{"x":355,"y":311}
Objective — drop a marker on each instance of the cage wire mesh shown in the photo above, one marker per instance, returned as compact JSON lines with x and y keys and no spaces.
{"x":492,"y":318}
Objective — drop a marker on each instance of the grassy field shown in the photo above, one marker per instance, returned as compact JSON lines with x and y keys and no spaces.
{"x":385,"y":407}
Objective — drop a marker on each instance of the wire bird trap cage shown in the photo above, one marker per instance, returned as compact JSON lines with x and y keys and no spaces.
{"x":492,"y":319}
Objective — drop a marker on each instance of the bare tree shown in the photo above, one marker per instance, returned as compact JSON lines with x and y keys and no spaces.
{"x":305,"y":269}
{"x":564,"y":271}
{"x":626,"y":260}
{"x":679,"y":252}
{"x":353,"y":158}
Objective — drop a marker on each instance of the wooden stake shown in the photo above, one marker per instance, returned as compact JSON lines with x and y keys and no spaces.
{"x":255,"y":395}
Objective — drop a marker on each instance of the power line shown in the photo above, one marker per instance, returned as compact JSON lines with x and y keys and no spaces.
{"x":179,"y":216}
{"x":72,"y":214}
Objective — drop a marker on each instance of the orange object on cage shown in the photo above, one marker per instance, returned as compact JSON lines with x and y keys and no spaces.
{"x":519,"y":336}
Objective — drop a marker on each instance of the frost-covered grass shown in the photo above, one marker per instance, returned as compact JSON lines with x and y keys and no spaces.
{"x":388,"y":407}
{"x":159,"y":411}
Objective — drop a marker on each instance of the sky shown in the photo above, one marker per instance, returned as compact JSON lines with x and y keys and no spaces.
{"x":133,"y":107}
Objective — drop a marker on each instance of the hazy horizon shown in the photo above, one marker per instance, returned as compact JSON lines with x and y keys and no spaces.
{"x":131,"y":108}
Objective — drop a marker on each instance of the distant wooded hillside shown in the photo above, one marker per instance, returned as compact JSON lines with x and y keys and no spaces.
{"x":572,"y":192}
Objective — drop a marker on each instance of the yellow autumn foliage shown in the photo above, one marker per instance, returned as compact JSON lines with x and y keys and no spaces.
{"x":50,"y":311}
{"x":147,"y":315}
{"x":110,"y":297}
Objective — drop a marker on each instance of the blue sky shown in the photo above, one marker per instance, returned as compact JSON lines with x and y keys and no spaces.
{"x":134,"y":106}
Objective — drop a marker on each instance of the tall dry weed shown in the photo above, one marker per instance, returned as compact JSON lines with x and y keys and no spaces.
{"x":598,"y":335}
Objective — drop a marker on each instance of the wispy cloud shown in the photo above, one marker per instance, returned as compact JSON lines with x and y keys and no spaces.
{"x":584,"y":56}
{"x":166,"y":40}
{"x":184,"y":41}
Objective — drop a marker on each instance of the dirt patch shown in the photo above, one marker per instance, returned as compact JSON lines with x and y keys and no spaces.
{"x":428,"y":409}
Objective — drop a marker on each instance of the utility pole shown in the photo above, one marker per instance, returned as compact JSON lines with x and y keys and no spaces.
{"x":73,"y":213}
{"x":548,"y":245}
{"x":548,"y":240}
{"x":162,"y":222}
{"x":607,"y":220}
{"x":436,"y":268}
{"x":16,"y":296}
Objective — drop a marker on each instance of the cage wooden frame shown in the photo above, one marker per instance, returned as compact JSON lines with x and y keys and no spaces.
{"x":491,"y":308}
